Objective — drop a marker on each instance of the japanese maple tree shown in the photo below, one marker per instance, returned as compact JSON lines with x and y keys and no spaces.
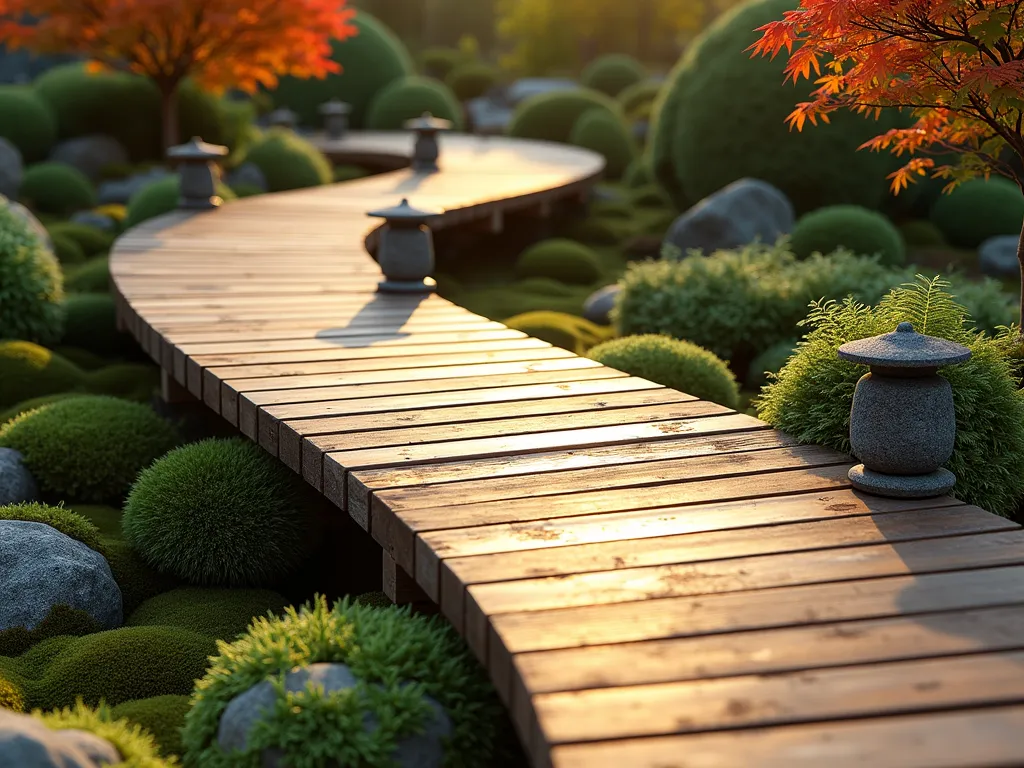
{"x":957,"y":65}
{"x":220,"y":44}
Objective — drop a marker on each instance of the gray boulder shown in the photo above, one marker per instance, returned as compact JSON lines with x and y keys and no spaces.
{"x":121,"y":190}
{"x":248,"y":174}
{"x":90,"y":154}
{"x":43,"y":567}
{"x":26,"y":742}
{"x":16,"y":482}
{"x":245,"y":710}
{"x":734,"y":216}
{"x":997,"y":256}
{"x":34,"y":224}
{"x":93,"y":219}
{"x":598,"y":306}
{"x":11,"y":168}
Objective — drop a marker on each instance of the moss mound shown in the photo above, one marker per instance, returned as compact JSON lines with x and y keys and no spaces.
{"x":56,"y":188}
{"x":91,"y":240}
{"x":288,"y":161}
{"x":471,"y":80}
{"x":10,"y":696}
{"x":61,"y":621}
{"x":722,"y":117}
{"x":560,"y":329}
{"x":138,"y":582}
{"x":922,"y":234}
{"x":638,"y":174}
{"x":613,"y":73}
{"x":64,"y":520}
{"x":130,"y":381}
{"x":91,"y":277}
{"x":136,"y":747}
{"x":161,"y":716}
{"x":31,"y":284}
{"x":31,"y":404}
{"x":31,"y":371}
{"x":977,"y":210}
{"x":674,"y":363}
{"x":552,"y":116}
{"x":385,"y":646}
{"x":92,"y":324}
{"x":217,"y":512}
{"x":410,"y":97}
{"x":89,"y":448}
{"x":370,"y":61}
{"x":26,"y":122}
{"x":161,"y":197}
{"x":560,"y":259}
{"x":650,"y":196}
{"x":638,"y":99}
{"x":852,"y":227}
{"x":600,"y":131}
{"x":220,"y":613}
{"x":107,"y":520}
{"x":68,"y":252}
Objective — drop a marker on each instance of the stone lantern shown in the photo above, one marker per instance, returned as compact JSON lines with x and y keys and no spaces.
{"x":902,"y":423}
{"x":426,"y":151}
{"x":198,"y":173}
{"x":283,"y":118}
{"x":405,"y":250}
{"x":335,"y":113}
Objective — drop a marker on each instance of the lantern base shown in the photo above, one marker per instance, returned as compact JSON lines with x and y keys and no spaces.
{"x":426,"y":285}
{"x":937,"y":483}
{"x":199,"y":203}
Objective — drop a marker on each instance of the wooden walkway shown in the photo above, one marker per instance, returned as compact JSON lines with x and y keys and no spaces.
{"x":653,"y":581}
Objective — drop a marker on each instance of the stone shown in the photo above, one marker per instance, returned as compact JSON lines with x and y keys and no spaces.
{"x":16,"y":483}
{"x":90,"y":154}
{"x":746,"y":211}
{"x":12,"y":168}
{"x":25,"y":214}
{"x":43,"y":567}
{"x":937,"y":483}
{"x":425,"y":750}
{"x":997,"y":256}
{"x":598,"y":306}
{"x":26,"y":742}
{"x":247,"y":174}
{"x":94,"y":219}
{"x":121,"y":190}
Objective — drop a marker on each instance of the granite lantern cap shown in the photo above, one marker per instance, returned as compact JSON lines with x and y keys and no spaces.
{"x":427,"y":122}
{"x":197,"y":149}
{"x":404,"y":214}
{"x":904,"y":348}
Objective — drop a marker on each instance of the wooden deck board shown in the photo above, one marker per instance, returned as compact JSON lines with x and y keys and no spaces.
{"x":651,"y":580}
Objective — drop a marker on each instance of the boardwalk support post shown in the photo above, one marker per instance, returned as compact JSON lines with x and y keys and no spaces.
{"x":335,"y":113}
{"x":426,"y":151}
{"x":405,"y":249}
{"x":198,"y":172}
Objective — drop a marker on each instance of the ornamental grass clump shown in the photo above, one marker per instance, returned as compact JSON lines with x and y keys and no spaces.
{"x":811,"y":396}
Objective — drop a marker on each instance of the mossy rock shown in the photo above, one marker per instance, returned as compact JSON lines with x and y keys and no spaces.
{"x":552,"y":116}
{"x":409,"y":98}
{"x":161,"y":716}
{"x":64,"y":520}
{"x":160,"y":197}
{"x":979,"y":209}
{"x":32,"y":371}
{"x":613,"y":73}
{"x":288,"y":161}
{"x":220,"y":613}
{"x":91,"y":240}
{"x":68,"y":252}
{"x":854,"y":228}
{"x":560,"y":259}
{"x":31,"y":283}
{"x":603,"y":132}
{"x":27,"y":122}
{"x":561,"y":330}
{"x":56,"y":188}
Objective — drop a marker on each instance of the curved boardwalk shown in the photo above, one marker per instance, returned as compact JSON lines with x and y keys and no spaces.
{"x":651,"y":580}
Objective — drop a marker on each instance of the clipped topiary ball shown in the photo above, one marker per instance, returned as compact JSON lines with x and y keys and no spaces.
{"x":288,"y":161}
{"x":552,"y":116}
{"x":674,"y":363}
{"x":603,"y":132}
{"x":471,"y":80}
{"x":220,"y":613}
{"x":639,"y":98}
{"x":31,"y":371}
{"x":410,"y":97}
{"x":27,"y":122}
{"x":613,"y":73}
{"x":91,"y":240}
{"x":31,"y":284}
{"x":68,"y":252}
{"x":89,"y":448}
{"x":160,"y":197}
{"x":217,"y":512}
{"x":162,"y":717}
{"x":32,"y":403}
{"x":856,"y":229}
{"x":560,"y":259}
{"x":56,"y":188}
{"x":560,"y":329}
{"x":977,"y":210}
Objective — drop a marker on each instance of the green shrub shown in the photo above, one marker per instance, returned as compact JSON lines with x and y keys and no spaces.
{"x":613,"y":73}
{"x":89,"y":448}
{"x":32,"y":403}
{"x":220,"y":613}
{"x":638,"y":174}
{"x":160,"y":197}
{"x":471,"y":80}
{"x":92,"y":324}
{"x":989,"y":306}
{"x":91,"y":277}
{"x":600,"y":131}
{"x":10,"y":696}
{"x":560,"y":329}
{"x":552,"y":116}
{"x":639,"y":97}
{"x":560,"y":259}
{"x":922,"y":233}
{"x":410,"y":97}
{"x":650,"y":196}
{"x":405,"y":654}
{"x":68,"y":252}
{"x":674,"y":363}
{"x":61,"y":621}
{"x":130,"y":381}
{"x":596,"y":231}
{"x":288,"y":161}
{"x":31,"y":284}
{"x":83,"y":358}
{"x":160,"y":716}
{"x":852,"y":227}
{"x":611,"y":209}
{"x":545,"y":286}
{"x":56,"y":188}
{"x":977,"y":210}
{"x":370,"y":61}
{"x":31,"y":371}
{"x":811,"y":397}
{"x":91,"y":240}
{"x":64,"y":520}
{"x":440,"y":62}
{"x":722,"y":117}
{"x":26,"y":122}
{"x":769,"y":361}
{"x":138,"y":582}
{"x":217,"y":512}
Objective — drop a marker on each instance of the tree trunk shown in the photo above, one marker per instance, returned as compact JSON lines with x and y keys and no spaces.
{"x":169,"y":114}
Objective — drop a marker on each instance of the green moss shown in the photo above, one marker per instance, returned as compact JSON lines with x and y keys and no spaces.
{"x":471,"y":80}
{"x":220,"y":613}
{"x":770,"y":361}
{"x":614,"y":73}
{"x":88,"y":449}
{"x":410,"y":97}
{"x":603,"y":132}
{"x":91,"y":240}
{"x":138,"y":582}
{"x":92,"y":324}
{"x":977,"y":210}
{"x":217,"y":512}
{"x":32,"y":371}
{"x":288,"y":161}
{"x":552,"y":116}
{"x":56,"y":188}
{"x":64,"y":520}
{"x":67,"y":251}
{"x":546,"y":286}
{"x":922,"y":233}
{"x":61,"y":621}
{"x":160,"y":716}
{"x":596,"y":231}
{"x":31,"y":284}
{"x":130,"y":381}
{"x":650,"y":196}
{"x":566,"y":331}
{"x":677,"y":364}
{"x":107,"y":520}
{"x":10,"y":696}
{"x":26,"y":122}
{"x":639,"y":97}
{"x":560,"y":259}
{"x":91,"y":277}
{"x":32,"y":403}
{"x":160,"y":197}
{"x":852,"y":227}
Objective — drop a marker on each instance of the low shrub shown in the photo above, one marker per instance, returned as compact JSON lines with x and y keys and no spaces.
{"x":130,"y":381}
{"x":471,"y":80}
{"x":613,"y":73}
{"x":650,"y":196}
{"x":638,"y":98}
{"x":89,"y":448}
{"x":603,"y":132}
{"x":770,"y":361}
{"x":674,"y":363}
{"x":91,"y":277}
{"x":977,"y":210}
{"x":68,"y":252}
{"x":32,"y":371}
{"x":611,"y":209}
{"x":552,"y":116}
{"x":64,"y":520}
{"x":638,"y":174}
{"x":596,"y":231}
{"x":288,"y":161}
{"x":545,"y":286}
{"x":922,"y":233}
{"x":560,"y":329}
{"x":220,"y":613}
{"x":56,"y":188}
{"x":217,"y":512}
{"x":10,"y":696}
{"x":31,"y":284}
{"x":160,"y":197}
{"x":851,"y":227}
{"x":91,"y":240}
{"x":410,"y":97}
{"x":812,"y":395}
{"x":61,"y":621}
{"x":162,"y":717}
{"x":560,"y":259}
{"x":27,"y":122}
{"x":32,"y":403}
